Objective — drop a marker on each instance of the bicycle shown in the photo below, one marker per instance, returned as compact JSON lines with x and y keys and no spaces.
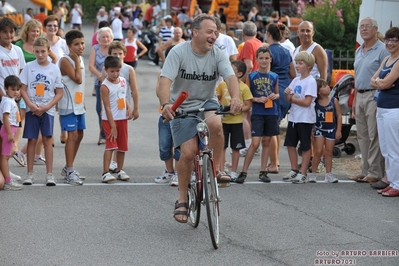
{"x":203,"y":187}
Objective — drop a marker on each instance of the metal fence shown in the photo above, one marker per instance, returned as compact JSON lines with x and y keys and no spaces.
{"x":343,"y":59}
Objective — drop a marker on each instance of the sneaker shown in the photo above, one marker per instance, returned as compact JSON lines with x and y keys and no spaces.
{"x":320,"y":167}
{"x":152,"y":63}
{"x":50,"y":181}
{"x":174,"y":181}
{"x":12,"y":185}
{"x":28,"y":179}
{"x":39,"y":161}
{"x":291,"y":175}
{"x":227,"y":167}
{"x":107,"y":177}
{"x":165,"y":178}
{"x":263,"y":177}
{"x":123,"y":176}
{"x":330,"y":178}
{"x":241,"y":178}
{"x":312,"y":178}
{"x":113,"y":167}
{"x":15,"y":177}
{"x":300,"y":179}
{"x":73,"y":178}
{"x":64,"y":174}
{"x":20,"y":158}
{"x":233,"y":176}
{"x":243,"y":152}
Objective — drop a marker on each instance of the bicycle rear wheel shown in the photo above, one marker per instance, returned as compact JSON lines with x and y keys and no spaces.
{"x":211,"y":199}
{"x":194,"y":208}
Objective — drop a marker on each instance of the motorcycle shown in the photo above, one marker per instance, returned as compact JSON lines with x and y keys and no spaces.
{"x":150,"y":40}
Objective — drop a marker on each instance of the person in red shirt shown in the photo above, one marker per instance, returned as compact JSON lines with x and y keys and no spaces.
{"x":41,"y":16}
{"x":149,"y":15}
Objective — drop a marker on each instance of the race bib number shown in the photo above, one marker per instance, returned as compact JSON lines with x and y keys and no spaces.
{"x":40,"y":89}
{"x":121,"y":103}
{"x":329,"y":117}
{"x":78,"y":97}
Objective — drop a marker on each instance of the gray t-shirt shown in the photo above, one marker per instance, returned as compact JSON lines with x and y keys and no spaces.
{"x":195,"y":74}
{"x":366,"y":64}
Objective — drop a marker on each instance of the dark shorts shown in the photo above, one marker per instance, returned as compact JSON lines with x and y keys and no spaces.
{"x":298,"y":132}
{"x":34,"y":124}
{"x":264,"y":125}
{"x":236,"y":133}
{"x":328,"y":134}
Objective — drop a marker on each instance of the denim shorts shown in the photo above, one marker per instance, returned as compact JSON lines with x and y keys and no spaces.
{"x":165,"y":141}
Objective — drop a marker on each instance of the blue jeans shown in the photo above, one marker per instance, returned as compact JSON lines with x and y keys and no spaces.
{"x":98,"y":108}
{"x":165,"y":141}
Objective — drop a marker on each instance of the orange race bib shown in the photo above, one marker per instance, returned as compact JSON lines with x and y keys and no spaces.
{"x":329,"y":117}
{"x":78,"y":97}
{"x":269,"y":103}
{"x":18,"y":117}
{"x":121,"y":103}
{"x":40,"y":89}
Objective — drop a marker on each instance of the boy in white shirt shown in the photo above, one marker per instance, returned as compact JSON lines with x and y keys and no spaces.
{"x":42,"y":90}
{"x":115,"y":113}
{"x":71,"y":106}
{"x":301,"y":93}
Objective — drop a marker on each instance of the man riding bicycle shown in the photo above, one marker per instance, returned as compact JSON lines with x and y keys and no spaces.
{"x":194,"y":67}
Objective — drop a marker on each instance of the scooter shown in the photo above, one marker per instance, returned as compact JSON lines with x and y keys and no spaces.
{"x":150,"y":40}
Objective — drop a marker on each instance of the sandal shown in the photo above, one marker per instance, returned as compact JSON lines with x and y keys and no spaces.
{"x":222,"y":177}
{"x":391,"y":193}
{"x":179,"y":212}
{"x":271,"y":172}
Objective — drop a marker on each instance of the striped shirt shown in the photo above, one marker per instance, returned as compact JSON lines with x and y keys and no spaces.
{"x":166,"y":33}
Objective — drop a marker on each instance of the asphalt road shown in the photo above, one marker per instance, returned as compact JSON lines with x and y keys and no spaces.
{"x":131,"y":223}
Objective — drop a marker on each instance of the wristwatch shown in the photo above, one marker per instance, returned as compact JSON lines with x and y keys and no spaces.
{"x":163,"y":105}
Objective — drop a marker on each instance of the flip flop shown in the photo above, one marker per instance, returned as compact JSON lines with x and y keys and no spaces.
{"x":271,"y":172}
{"x":222,"y":177}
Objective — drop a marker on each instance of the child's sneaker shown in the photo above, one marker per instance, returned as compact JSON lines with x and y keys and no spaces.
{"x":12,"y":185}
{"x":330,"y":178}
{"x":64,"y":174}
{"x":320,"y":167}
{"x":15,"y":177}
{"x":20,"y":158}
{"x":107,"y":177}
{"x":227,"y":167}
{"x":165,"y":178}
{"x":312,"y":178}
{"x":263,"y":177}
{"x":73,"y":178}
{"x":174,"y":181}
{"x":28,"y":179}
{"x":113,"y":167}
{"x":291,"y":175}
{"x":241,"y":178}
{"x":50,"y":181}
{"x":233,"y":176}
{"x":300,"y":179}
{"x":123,"y":176}
{"x":39,"y":161}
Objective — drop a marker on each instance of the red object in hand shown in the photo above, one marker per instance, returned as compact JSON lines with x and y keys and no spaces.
{"x":183,"y":95}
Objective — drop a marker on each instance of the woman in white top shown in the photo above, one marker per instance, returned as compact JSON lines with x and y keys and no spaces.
{"x":58,"y":46}
{"x":116,"y":27}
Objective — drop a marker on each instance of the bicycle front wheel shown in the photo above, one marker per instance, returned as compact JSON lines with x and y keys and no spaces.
{"x":194,"y":201}
{"x":211,"y":199}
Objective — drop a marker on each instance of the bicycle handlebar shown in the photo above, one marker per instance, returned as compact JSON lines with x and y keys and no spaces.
{"x":221,"y":110}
